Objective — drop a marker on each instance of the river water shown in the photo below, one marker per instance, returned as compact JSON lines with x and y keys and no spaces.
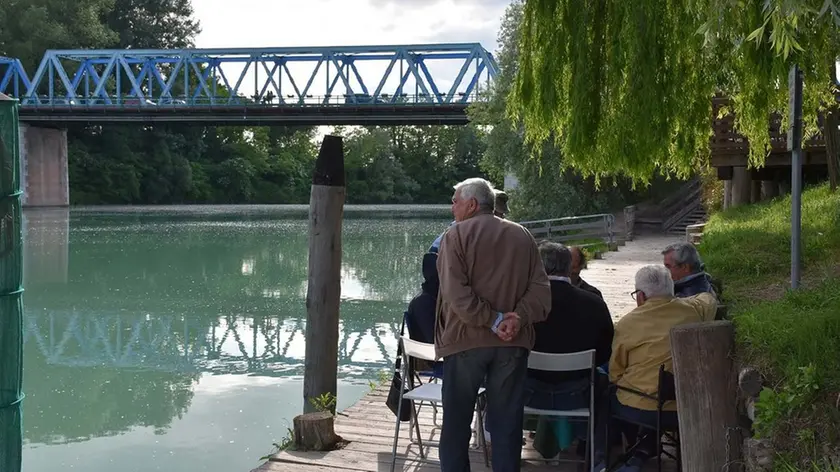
{"x":175,"y":340}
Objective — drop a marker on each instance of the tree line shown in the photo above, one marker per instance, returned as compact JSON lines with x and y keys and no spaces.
{"x":198,"y":163}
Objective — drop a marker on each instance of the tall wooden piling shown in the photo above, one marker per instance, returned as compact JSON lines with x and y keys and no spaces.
{"x":706,"y":396}
{"x":326,"y":211}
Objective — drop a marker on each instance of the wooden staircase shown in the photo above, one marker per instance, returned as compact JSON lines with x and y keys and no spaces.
{"x":695,"y":217}
{"x":673,"y":214}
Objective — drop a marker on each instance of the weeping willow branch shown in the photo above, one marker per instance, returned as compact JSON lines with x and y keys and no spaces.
{"x":626,"y":87}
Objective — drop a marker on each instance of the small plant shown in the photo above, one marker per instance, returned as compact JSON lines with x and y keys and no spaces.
{"x":775,"y":407}
{"x":324,"y":402}
{"x":383,"y":377}
{"x":287,"y":442}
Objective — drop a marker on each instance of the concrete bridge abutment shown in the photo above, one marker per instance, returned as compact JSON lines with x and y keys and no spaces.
{"x":44,"y":174}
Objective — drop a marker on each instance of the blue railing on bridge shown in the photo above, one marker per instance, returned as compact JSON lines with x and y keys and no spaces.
{"x":447,"y":77}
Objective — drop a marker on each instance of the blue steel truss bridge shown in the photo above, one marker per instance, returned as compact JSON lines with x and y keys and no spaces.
{"x":351,"y":85}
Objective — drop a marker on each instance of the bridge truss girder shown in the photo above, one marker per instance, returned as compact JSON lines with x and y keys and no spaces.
{"x":13,"y":79}
{"x":195,"y":78}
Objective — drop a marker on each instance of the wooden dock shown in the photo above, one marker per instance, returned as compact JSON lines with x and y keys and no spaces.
{"x":369,"y":424}
{"x":369,"y":428}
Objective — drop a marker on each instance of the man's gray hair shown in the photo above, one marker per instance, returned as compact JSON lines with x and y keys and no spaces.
{"x":685,"y":253}
{"x":480,"y":189}
{"x":556,"y":258}
{"x":655,"y":281}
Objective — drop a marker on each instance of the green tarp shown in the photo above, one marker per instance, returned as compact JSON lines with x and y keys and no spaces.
{"x":11,"y":281}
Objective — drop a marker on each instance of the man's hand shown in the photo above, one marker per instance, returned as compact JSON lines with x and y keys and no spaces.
{"x":509,"y":327}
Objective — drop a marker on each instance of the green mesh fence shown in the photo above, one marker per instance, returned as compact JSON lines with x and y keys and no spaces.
{"x":11,"y":289}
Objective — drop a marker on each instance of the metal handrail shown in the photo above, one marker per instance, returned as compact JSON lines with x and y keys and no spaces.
{"x":607,"y":219}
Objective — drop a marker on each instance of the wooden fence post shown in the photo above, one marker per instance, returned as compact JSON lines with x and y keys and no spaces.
{"x":323,"y":294}
{"x":706,"y":383}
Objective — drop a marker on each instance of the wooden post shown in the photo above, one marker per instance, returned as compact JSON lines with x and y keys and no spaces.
{"x":706,"y":396}
{"x":629,"y":221}
{"x":741,"y":187}
{"x":315,"y":432}
{"x":326,"y":210}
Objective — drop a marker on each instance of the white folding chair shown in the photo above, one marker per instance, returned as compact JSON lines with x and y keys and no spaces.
{"x":429,"y":392}
{"x":567,"y":363}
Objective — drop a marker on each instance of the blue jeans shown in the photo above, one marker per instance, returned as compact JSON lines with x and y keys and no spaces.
{"x":504,"y":369}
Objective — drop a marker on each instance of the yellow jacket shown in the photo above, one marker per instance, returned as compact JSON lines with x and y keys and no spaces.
{"x":642,"y":343}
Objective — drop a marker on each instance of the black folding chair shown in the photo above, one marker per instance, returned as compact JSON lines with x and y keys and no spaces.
{"x":665,"y":429}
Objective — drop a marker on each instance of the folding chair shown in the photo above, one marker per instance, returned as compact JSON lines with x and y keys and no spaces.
{"x":667,"y":432}
{"x":433,"y":375}
{"x":584,"y":360}
{"x":428,"y":392}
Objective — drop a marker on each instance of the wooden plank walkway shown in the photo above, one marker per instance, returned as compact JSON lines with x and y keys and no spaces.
{"x":369,"y":426}
{"x":614,"y":275}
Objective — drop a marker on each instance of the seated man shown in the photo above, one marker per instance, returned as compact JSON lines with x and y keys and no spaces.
{"x":420,"y":316}
{"x":578,"y":264}
{"x":642,"y":344}
{"x":578,"y":321}
{"x":683,"y":261}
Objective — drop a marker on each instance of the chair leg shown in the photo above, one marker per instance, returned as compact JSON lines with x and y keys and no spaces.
{"x":416,"y":427}
{"x":396,"y":434}
{"x":591,"y":453}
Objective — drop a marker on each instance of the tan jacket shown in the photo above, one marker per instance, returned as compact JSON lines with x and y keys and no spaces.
{"x":488,"y":265}
{"x":642,"y":343}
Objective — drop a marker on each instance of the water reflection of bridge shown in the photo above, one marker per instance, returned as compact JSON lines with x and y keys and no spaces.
{"x":257,"y":345}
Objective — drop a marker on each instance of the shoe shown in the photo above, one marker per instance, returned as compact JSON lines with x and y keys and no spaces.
{"x":600,"y":467}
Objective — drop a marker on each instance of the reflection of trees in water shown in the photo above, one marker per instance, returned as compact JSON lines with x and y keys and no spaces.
{"x":148,"y":309}
{"x":210,"y":261}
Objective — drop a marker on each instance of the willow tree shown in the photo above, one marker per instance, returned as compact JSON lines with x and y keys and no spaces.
{"x":626,"y":87}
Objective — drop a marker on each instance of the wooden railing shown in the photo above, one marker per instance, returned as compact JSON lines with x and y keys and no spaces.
{"x":574,"y":228}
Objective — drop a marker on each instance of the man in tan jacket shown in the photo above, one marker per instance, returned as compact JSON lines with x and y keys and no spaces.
{"x":493,"y":288}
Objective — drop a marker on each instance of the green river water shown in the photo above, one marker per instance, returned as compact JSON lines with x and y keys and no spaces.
{"x":174,"y":340}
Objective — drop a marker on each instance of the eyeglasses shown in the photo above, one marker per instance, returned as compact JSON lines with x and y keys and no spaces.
{"x":634,"y":293}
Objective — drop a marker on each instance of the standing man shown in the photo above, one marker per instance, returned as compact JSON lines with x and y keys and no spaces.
{"x":493,"y":288}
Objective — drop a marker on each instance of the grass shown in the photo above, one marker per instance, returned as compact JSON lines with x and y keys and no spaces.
{"x":792,"y":337}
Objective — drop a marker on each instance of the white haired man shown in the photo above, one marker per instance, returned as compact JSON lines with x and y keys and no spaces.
{"x":640,"y":346}
{"x":493,"y":288}
{"x":683,"y":261}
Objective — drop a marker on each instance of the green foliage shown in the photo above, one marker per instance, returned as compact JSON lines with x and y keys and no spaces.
{"x":130,"y":164}
{"x":792,"y":337}
{"x":547,"y":188}
{"x":775,"y":407}
{"x":760,"y":235}
{"x":324,"y":403}
{"x":625,"y":88}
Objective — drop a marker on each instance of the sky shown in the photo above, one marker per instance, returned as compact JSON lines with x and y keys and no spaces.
{"x":283,"y":23}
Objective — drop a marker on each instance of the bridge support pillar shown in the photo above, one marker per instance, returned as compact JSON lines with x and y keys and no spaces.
{"x":44,"y":175}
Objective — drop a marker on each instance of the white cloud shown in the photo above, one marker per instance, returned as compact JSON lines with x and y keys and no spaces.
{"x":279,"y":23}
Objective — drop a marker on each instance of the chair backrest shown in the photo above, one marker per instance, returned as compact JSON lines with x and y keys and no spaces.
{"x":667,"y":386}
{"x":562,"y":362}
{"x":418,"y":350}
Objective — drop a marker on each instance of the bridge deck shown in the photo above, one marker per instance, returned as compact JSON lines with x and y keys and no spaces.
{"x":369,"y":424}
{"x":310,"y":115}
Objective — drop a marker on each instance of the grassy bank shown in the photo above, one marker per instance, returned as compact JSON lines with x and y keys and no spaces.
{"x":793,"y":338}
